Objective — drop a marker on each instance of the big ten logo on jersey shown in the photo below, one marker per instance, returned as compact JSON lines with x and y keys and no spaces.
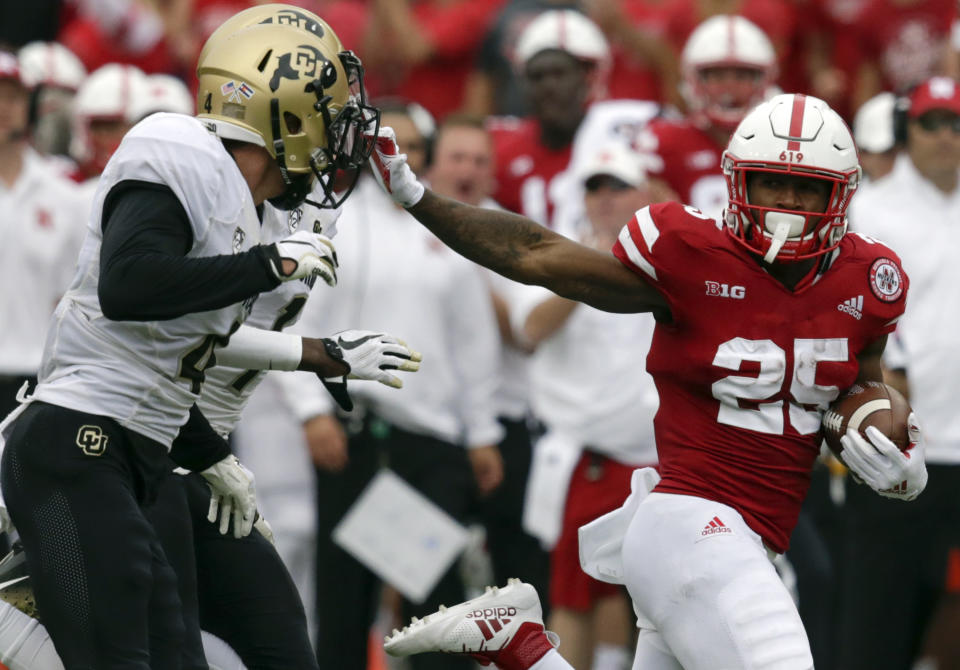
{"x":92,"y":440}
{"x":306,"y":61}
{"x":721,"y":290}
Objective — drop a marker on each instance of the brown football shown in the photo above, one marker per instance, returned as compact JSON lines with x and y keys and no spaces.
{"x":863,"y":405}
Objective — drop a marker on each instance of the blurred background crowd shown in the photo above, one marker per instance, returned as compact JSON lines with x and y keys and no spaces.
{"x":530,"y":411}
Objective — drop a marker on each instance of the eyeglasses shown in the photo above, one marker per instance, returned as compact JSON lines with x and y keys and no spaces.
{"x":932,"y":122}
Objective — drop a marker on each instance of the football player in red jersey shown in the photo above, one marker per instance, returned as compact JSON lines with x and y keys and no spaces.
{"x":564,"y":60}
{"x":728,"y":65}
{"x":749,"y":349}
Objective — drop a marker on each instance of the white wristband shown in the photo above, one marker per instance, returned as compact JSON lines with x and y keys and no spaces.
{"x":257,"y":349}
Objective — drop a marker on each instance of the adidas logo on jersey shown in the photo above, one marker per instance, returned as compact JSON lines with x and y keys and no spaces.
{"x":491,"y":620}
{"x":853,"y":307}
{"x":714,"y":527}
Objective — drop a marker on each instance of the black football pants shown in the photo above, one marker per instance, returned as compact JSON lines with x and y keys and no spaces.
{"x":74,"y":484}
{"x":246,"y":595}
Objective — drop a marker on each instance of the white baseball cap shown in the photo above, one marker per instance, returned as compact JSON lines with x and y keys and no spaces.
{"x":617,"y":161}
{"x":873,"y":124}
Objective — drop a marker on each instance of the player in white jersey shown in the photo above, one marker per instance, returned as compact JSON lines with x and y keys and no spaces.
{"x":170,"y":268}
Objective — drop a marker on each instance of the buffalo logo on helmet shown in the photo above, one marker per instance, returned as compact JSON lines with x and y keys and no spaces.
{"x":307,"y":61}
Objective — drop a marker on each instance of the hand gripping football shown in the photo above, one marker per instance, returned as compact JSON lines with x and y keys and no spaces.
{"x":863,"y":405}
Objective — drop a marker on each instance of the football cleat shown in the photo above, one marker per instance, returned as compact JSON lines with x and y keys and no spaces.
{"x":504,"y":626}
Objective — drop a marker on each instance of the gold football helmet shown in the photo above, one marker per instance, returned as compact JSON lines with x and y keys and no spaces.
{"x":287,"y":89}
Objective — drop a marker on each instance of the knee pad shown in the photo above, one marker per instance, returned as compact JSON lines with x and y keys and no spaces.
{"x":763,"y":621}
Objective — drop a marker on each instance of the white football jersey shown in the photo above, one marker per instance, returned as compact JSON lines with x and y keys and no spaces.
{"x":147,"y":374}
{"x":227,"y":390}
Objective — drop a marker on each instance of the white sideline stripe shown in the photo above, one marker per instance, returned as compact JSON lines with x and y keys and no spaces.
{"x":634,"y":254}
{"x":648,"y":228}
{"x":865,"y":410}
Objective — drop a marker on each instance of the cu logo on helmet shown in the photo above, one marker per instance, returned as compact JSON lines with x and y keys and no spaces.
{"x":304,"y":61}
{"x":291,"y":17}
{"x":92,"y":440}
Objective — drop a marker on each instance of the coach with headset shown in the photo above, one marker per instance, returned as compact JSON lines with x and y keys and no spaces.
{"x":902,"y":575}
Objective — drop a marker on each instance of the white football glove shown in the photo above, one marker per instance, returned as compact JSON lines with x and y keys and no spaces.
{"x":232,"y":495}
{"x":391,"y":170}
{"x":313,"y":254}
{"x":882,"y":466}
{"x":368,"y":355}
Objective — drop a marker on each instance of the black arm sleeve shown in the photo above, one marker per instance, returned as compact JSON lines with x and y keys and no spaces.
{"x":198,"y":446}
{"x":144,"y":273}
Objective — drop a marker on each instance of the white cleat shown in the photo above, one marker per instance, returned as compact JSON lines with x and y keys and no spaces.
{"x":502,"y":626}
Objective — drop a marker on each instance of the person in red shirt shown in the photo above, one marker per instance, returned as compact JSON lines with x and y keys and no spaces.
{"x":903,"y":43}
{"x":748,"y":351}
{"x":564,"y":59}
{"x":728,"y":66}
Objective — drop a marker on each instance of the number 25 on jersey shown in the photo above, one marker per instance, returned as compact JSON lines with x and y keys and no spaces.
{"x":768,"y":417}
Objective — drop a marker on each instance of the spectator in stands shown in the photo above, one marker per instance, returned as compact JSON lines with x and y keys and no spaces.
{"x":910,"y":554}
{"x":903,"y":43}
{"x":423,"y":50}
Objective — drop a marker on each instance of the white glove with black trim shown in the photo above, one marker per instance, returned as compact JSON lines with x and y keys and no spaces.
{"x":233,"y":495}
{"x":368,"y":355}
{"x":391,"y":170}
{"x":313,"y":254}
{"x":882,"y":466}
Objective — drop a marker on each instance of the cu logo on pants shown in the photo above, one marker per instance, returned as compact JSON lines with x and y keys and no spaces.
{"x":91,"y":440}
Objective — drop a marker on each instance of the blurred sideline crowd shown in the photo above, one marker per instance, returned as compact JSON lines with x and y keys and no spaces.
{"x":530,"y":411}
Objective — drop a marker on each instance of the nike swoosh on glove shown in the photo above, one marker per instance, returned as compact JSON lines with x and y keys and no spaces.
{"x":391,"y":170}
{"x":233,"y":496}
{"x":368,"y":355}
{"x":313,"y":254}
{"x":882,"y":466}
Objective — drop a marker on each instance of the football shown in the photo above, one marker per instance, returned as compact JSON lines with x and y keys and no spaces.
{"x":863,"y":405}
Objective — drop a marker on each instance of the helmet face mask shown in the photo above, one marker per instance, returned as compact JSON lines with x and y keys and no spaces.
{"x":791,"y":136}
{"x":725,"y":93}
{"x":290,"y":91}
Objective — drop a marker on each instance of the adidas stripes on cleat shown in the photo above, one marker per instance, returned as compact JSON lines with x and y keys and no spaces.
{"x":504,"y":626}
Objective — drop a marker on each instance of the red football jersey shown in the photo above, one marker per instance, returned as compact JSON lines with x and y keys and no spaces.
{"x":689,"y":161}
{"x":746,"y":367}
{"x":526,"y":169}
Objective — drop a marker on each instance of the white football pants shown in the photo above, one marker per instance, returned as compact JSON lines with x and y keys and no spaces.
{"x":705,"y":592}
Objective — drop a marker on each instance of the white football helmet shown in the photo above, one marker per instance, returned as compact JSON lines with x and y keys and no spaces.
{"x":50,"y":64}
{"x":108,"y":94}
{"x":162,"y":93}
{"x":797,"y":135}
{"x":726,"y":41}
{"x":572,"y":32}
